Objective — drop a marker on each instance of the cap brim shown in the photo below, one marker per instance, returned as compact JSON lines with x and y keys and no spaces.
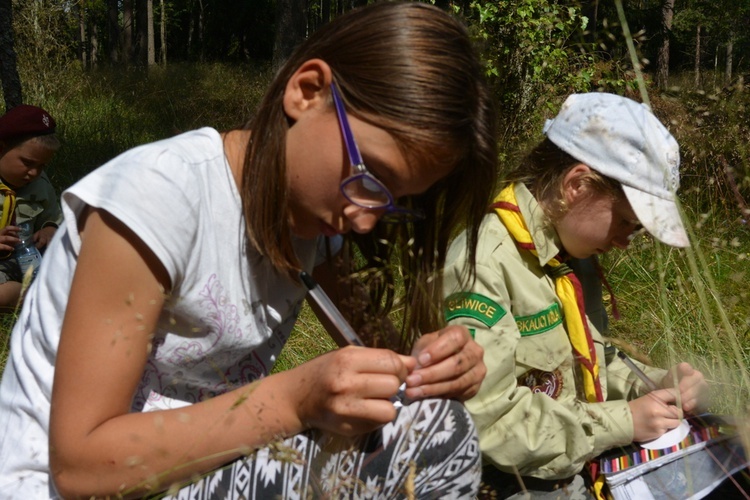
{"x":660,"y":217}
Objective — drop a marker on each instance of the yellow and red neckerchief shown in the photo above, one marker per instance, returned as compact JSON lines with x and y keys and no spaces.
{"x":567,"y":288}
{"x":7,"y":218}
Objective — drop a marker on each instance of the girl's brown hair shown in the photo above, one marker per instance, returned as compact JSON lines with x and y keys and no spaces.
{"x":410,"y":69}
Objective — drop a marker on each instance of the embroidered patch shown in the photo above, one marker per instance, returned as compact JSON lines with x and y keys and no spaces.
{"x":541,"y":382}
{"x":540,"y":322}
{"x":473,"y":305}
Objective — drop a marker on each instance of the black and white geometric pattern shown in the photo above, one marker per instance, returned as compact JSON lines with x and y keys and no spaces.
{"x":431,"y":451}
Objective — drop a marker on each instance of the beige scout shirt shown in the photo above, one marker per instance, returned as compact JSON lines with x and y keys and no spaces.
{"x":530,"y":410}
{"x":38,"y":201}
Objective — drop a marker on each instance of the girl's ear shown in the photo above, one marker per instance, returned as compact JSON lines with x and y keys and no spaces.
{"x":309,"y":87}
{"x":574,"y":186}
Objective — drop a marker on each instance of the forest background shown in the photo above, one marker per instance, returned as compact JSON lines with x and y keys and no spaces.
{"x":118,"y":73}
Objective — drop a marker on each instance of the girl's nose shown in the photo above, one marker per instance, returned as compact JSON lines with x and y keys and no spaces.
{"x":621,"y":241}
{"x":362,"y":220}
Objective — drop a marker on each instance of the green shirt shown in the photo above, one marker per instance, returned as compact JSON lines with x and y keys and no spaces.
{"x":530,"y":411}
{"x":37,"y":202}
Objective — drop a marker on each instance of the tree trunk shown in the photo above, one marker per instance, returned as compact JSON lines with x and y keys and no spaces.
{"x":163,"y":35}
{"x":291,"y":21}
{"x":697,"y":65}
{"x":662,"y":61}
{"x":325,"y":12}
{"x":730,"y":56}
{"x":150,"y":49}
{"x":113,"y":31}
{"x":127,"y":31}
{"x":141,"y":32}
{"x":8,"y":68}
{"x":82,"y":33}
{"x":94,"y":46}
{"x":716,"y":64}
{"x":199,"y":30}
{"x":191,"y":30}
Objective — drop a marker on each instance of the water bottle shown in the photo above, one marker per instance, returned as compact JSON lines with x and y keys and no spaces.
{"x":26,"y":252}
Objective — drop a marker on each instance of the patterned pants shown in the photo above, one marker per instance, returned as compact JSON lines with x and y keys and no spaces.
{"x":430,"y":451}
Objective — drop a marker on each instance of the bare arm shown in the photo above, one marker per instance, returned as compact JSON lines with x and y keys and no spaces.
{"x":97,"y":447}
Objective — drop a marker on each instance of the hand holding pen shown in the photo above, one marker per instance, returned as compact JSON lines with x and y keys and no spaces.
{"x":690,"y":383}
{"x":326,"y":305}
{"x":652,"y":386}
{"x":449,"y":362}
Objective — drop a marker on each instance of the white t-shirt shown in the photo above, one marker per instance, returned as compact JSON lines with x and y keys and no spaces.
{"x":223,"y":325}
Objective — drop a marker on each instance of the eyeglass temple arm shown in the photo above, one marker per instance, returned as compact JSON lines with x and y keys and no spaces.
{"x":355,"y":158}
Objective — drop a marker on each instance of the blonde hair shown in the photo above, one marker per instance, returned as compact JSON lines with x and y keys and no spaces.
{"x":543,"y":169}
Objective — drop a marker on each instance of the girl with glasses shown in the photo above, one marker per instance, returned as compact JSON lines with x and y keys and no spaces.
{"x":142,"y":357}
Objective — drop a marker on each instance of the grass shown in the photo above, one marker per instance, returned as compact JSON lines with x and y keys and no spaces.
{"x":103,"y":113}
{"x":672,"y":314}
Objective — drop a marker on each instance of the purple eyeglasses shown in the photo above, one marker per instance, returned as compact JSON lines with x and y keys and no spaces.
{"x":362,"y":188}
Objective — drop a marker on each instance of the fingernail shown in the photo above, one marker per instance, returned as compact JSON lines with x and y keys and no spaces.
{"x":414,"y":380}
{"x":424,"y":359}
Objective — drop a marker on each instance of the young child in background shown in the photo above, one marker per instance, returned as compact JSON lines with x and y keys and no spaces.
{"x":172,"y":286}
{"x":556,"y":395}
{"x":27,"y":144}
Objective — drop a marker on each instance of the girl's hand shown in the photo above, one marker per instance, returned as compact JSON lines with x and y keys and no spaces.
{"x":9,"y":238}
{"x":449,"y":364}
{"x":654,"y":414}
{"x":691,"y":384}
{"x":43,"y":236}
{"x":348,"y":391}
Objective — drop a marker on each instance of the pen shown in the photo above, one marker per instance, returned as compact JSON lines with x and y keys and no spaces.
{"x":326,"y":305}
{"x":649,"y":383}
{"x":330,"y":310}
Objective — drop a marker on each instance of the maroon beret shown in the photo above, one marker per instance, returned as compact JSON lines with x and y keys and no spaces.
{"x":24,"y":120}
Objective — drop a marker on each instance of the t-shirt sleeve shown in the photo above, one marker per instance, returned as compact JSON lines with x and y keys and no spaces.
{"x":154,"y":192}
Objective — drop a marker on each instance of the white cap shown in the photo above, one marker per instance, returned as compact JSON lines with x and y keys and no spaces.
{"x":623,"y":140}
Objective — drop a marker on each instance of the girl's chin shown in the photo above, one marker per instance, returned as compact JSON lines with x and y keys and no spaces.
{"x":309,"y":232}
{"x":305,"y":235}
{"x":328,"y":231}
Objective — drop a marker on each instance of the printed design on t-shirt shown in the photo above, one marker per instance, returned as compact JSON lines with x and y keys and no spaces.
{"x":219,"y":320}
{"x":473,"y":305}
{"x":541,"y":382}
{"x":541,"y":322}
{"x":220,"y":350}
{"x":222,"y":314}
{"x":194,"y":362}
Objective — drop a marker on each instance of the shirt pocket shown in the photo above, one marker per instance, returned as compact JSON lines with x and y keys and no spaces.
{"x":546,"y":351}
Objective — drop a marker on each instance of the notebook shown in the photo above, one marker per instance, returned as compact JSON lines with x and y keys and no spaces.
{"x":691,"y":469}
